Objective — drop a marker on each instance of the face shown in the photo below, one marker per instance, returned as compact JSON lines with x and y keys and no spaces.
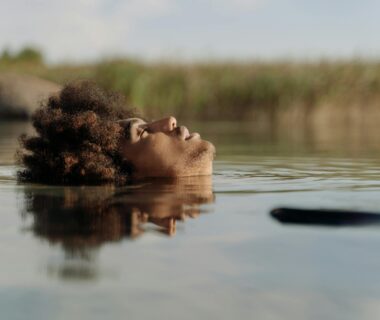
{"x":164,"y":149}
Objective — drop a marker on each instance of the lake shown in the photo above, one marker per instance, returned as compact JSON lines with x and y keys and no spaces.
{"x":200,"y":248}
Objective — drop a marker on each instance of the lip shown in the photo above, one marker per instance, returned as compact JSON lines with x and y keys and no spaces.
{"x":194,"y":135}
{"x":185,"y":134}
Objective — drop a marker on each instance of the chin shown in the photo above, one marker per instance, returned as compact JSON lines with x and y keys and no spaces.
{"x":199,"y":162}
{"x":204,"y":149}
{"x":211,"y":148}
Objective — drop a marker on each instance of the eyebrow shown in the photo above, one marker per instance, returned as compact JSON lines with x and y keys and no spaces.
{"x":127,"y":128}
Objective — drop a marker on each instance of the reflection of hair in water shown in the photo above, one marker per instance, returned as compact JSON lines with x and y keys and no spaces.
{"x":83,"y":218}
{"x":78,"y":138}
{"x":79,"y":219}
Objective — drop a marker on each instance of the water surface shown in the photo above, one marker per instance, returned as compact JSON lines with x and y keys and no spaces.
{"x":199,"y":248}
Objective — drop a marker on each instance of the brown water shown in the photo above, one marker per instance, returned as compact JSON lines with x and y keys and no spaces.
{"x":199,"y":248}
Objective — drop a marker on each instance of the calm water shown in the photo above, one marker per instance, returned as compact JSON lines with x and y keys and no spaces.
{"x":199,"y":248}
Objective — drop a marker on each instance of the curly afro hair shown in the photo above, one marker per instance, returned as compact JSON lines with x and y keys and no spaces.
{"x":78,"y":138}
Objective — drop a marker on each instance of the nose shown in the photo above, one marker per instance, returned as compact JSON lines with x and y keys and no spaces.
{"x":164,"y":125}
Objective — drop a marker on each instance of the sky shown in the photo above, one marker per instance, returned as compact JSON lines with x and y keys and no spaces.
{"x":88,"y":30}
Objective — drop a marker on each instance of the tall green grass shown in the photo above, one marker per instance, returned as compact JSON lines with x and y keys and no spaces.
{"x":222,"y":91}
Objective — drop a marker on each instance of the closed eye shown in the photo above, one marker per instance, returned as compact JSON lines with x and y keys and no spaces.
{"x":144,"y":132}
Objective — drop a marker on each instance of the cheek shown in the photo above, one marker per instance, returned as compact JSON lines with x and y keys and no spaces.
{"x":153,"y":152}
{"x":164,"y":151}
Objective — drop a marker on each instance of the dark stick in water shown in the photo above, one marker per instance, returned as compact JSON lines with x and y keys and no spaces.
{"x":324,"y":217}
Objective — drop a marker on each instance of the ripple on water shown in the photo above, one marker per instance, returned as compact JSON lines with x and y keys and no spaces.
{"x":273,"y":174}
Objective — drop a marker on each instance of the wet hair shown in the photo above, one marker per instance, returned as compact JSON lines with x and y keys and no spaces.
{"x":78,"y":138}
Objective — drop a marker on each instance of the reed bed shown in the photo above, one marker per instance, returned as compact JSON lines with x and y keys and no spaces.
{"x":229,"y":90}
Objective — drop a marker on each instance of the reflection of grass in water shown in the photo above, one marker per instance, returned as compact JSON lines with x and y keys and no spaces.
{"x":226,"y":90}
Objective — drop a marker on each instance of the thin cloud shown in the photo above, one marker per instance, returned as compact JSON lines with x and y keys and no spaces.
{"x":91,"y":29}
{"x":76,"y":28}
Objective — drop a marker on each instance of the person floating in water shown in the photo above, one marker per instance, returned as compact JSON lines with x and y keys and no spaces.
{"x":86,"y":135}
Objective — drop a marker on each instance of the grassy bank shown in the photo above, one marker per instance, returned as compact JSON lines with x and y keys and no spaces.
{"x":230,"y":90}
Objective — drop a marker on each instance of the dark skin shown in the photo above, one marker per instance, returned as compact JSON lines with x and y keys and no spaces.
{"x":85,"y":135}
{"x":163,"y":149}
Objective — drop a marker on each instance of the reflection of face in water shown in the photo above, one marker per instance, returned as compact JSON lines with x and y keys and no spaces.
{"x":81,"y":219}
